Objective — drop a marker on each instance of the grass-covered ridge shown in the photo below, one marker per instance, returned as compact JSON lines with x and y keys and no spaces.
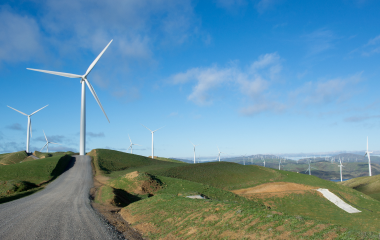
{"x":12,"y":158}
{"x":23,"y":176}
{"x":155,"y":195}
{"x":366,"y":185}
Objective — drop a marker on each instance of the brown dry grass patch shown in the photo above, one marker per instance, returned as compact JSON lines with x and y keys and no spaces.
{"x":277,"y":189}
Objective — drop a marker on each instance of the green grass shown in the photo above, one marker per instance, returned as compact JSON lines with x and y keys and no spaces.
{"x":12,"y":158}
{"x":172,"y":214}
{"x":366,"y":185}
{"x":115,"y":163}
{"x":28,"y":175}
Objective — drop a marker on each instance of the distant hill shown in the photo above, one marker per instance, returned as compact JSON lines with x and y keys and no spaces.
{"x":366,"y":185}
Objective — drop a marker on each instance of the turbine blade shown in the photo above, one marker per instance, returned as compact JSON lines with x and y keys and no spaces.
{"x":95,"y":96}
{"x":69,"y":75}
{"x":55,"y":143}
{"x":43,"y":147}
{"x":130,"y":139}
{"x":18,"y":111}
{"x":45,"y":136}
{"x":147,"y":128}
{"x":158,"y":129}
{"x":96,"y":60}
{"x":39,"y":110}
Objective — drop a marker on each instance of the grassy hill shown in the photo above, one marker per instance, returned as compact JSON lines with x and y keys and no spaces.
{"x":366,"y":185}
{"x":12,"y":158}
{"x":17,"y":178}
{"x":153,"y":194}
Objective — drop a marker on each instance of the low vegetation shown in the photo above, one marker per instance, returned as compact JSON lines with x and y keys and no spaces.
{"x":12,"y":158}
{"x":367,"y":185}
{"x":152,"y":196}
{"x":17,"y":180}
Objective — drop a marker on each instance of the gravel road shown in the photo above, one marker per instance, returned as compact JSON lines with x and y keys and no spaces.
{"x":61,"y":211}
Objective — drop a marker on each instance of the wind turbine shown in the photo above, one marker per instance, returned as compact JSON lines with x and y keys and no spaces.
{"x":194,"y":151}
{"x":340,"y":166}
{"x":130,"y":146}
{"x":264,"y":160}
{"x":152,"y":139}
{"x":47,"y":143}
{"x":279,"y":165}
{"x":83,"y":81}
{"x":219,"y":152}
{"x":369,"y":160}
{"x":29,"y":129}
{"x":309,"y":169}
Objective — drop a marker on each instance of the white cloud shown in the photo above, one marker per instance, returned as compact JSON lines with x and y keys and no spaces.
{"x":228,"y":4}
{"x":371,"y":47}
{"x":320,"y":40}
{"x":326,"y":91}
{"x":251,"y":82}
{"x":264,"y":5}
{"x":20,"y":37}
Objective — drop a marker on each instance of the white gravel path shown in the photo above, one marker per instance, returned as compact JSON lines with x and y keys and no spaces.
{"x":337,"y":201}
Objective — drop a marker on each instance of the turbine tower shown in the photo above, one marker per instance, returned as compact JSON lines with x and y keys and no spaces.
{"x":83,"y":81}
{"x":29,"y":129}
{"x":264,"y":160}
{"x":309,"y":169}
{"x":279,"y":165}
{"x":219,"y":152}
{"x":47,"y":143}
{"x":194,"y":151}
{"x":369,"y":159}
{"x":152,"y":139}
{"x":340,"y":166}
{"x":130,"y":146}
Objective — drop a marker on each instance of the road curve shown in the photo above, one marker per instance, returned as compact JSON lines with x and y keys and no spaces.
{"x":60,"y":211}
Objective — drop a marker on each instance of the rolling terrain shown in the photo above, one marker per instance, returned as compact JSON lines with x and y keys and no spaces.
{"x":240,"y":201}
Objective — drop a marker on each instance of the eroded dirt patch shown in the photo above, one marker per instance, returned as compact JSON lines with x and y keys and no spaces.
{"x":274,"y":189}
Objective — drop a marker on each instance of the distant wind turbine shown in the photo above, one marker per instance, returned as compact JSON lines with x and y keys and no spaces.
{"x":264,"y":160}
{"x":83,"y":81}
{"x":369,"y":159}
{"x":47,"y":143}
{"x":279,"y":165}
{"x":194,"y":150}
{"x":152,"y":139}
{"x":29,"y":129}
{"x":130,"y":146}
{"x":219,"y":152}
{"x":309,"y":169}
{"x":340,"y":166}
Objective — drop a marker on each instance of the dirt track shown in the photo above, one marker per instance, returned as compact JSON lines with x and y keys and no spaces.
{"x":277,"y":188}
{"x":61,"y":211}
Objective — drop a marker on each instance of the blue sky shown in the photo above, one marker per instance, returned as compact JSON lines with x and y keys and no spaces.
{"x":252,"y":77}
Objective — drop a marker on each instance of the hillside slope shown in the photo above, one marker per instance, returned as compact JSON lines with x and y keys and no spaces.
{"x":366,"y":185}
{"x":153,"y":198}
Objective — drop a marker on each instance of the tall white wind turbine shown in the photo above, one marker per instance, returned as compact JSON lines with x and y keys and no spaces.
{"x":29,"y":129}
{"x":47,"y":143}
{"x":340,"y":166}
{"x":83,"y":81}
{"x":264,"y":160}
{"x":369,"y":159}
{"x":194,"y":150}
{"x":219,"y":152}
{"x":152,"y":139}
{"x":130,"y":146}
{"x":309,"y":169}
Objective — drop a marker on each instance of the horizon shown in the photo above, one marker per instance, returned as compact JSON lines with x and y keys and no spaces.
{"x":246,"y":76}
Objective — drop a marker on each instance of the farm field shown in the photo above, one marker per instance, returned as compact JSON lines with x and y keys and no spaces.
{"x":240,"y":201}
